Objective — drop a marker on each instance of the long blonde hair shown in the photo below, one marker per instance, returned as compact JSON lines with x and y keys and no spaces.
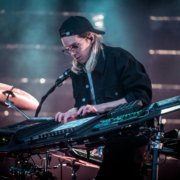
{"x":92,"y":61}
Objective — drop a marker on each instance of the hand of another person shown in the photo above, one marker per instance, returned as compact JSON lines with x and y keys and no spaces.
{"x":63,"y":117}
{"x":91,"y":109}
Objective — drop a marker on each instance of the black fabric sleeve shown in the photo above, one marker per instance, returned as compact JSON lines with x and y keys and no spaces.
{"x":135,"y":80}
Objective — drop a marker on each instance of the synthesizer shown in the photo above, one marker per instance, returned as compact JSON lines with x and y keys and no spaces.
{"x":97,"y":129}
{"x":125,"y":108}
{"x":28,"y":128}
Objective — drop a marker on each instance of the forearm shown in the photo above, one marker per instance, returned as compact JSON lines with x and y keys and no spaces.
{"x":101,"y":108}
{"x":110,"y":105}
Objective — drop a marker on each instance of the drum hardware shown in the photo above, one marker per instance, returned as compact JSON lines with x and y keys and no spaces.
{"x":21,"y":99}
{"x":72,"y":162}
{"x":23,"y":167}
{"x":71,"y":165}
{"x":18,"y":98}
{"x":11,"y":104}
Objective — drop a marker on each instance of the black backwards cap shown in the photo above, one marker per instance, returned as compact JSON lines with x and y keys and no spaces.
{"x":77,"y":25}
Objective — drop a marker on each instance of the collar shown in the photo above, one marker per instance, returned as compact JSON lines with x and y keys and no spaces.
{"x":101,"y":60}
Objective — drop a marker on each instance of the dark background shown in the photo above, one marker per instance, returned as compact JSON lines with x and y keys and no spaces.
{"x":30,"y":47}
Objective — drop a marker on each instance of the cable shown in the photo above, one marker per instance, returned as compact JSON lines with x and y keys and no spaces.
{"x":163,"y":162}
{"x":4,"y":177}
{"x":144,"y":115}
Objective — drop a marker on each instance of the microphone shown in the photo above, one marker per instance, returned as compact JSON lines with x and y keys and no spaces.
{"x":58,"y":82}
{"x":63,"y":77}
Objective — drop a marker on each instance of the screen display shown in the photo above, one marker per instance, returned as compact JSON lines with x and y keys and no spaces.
{"x":73,"y":124}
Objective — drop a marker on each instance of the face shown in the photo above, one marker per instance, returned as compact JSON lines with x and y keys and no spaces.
{"x":82,"y":54}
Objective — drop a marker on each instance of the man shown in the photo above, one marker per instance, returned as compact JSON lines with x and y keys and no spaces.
{"x":102,"y":78}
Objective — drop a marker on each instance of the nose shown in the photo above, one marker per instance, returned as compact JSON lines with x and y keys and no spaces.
{"x":72,"y":53}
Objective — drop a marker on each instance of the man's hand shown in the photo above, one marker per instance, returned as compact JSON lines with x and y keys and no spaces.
{"x":91,"y":109}
{"x":100,"y":108}
{"x":63,"y":117}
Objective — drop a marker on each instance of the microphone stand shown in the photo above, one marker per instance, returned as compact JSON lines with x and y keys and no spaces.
{"x":58,"y":83}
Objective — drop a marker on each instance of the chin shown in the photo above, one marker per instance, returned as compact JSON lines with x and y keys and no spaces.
{"x":81,"y":61}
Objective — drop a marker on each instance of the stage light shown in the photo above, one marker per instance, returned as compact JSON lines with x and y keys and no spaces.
{"x":166,"y":86}
{"x":95,"y":18}
{"x":151,"y":51}
{"x":99,"y":24}
{"x":38,"y":46}
{"x":163,"y":121}
{"x":164,"y":52}
{"x":42,"y":80}
{"x":98,"y":17}
{"x":24,"y":80}
{"x":6,"y":113}
{"x":101,"y":16}
{"x":164,"y":18}
{"x":2,"y":11}
{"x":66,"y":13}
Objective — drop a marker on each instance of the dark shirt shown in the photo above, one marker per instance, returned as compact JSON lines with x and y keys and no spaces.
{"x":118,"y":75}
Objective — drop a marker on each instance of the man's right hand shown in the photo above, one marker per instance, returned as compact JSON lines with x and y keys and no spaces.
{"x":63,"y":117}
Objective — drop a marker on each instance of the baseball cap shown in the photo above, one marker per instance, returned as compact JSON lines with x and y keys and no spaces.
{"x":77,"y":25}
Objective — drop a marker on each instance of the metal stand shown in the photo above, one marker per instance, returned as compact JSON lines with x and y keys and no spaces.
{"x":11,"y":104}
{"x":75,"y":168}
{"x":21,"y":172}
{"x":155,"y":146}
{"x":155,"y":165}
{"x":47,"y":161}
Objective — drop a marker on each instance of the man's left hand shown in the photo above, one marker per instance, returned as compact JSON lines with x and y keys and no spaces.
{"x":91,"y":109}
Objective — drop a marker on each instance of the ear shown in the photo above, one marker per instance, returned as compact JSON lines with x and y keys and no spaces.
{"x":91,"y":38}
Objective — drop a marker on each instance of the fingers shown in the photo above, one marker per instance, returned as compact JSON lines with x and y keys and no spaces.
{"x":56,"y":116}
{"x":67,"y":116}
{"x":82,"y":110}
{"x":86,"y":109}
{"x":63,"y":117}
{"x":91,"y":109}
{"x":59,"y":117}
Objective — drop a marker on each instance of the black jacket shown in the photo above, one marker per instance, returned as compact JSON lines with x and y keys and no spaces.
{"x":118,"y":75}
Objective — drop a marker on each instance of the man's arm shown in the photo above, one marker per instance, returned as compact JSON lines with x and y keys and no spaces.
{"x":135,"y":81}
{"x":101,"y":108}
